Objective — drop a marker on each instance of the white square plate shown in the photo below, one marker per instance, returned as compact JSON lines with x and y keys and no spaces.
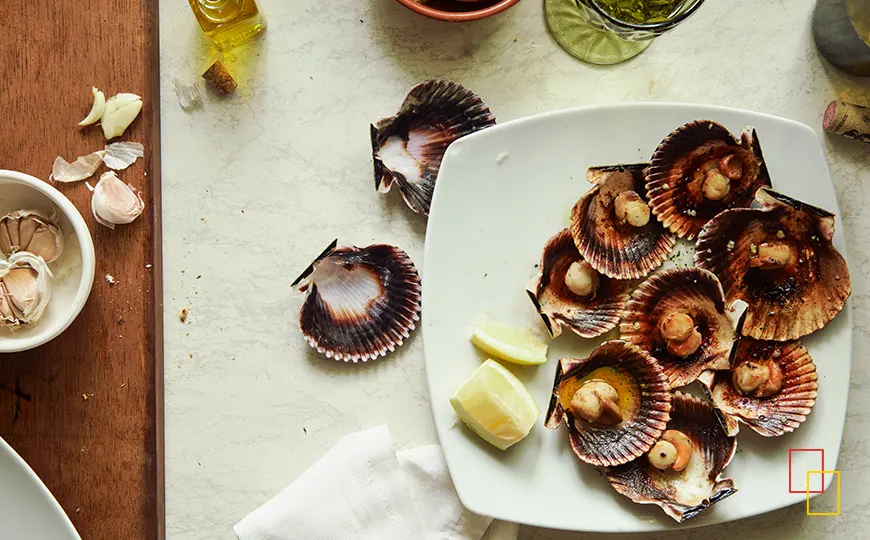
{"x":501,"y":193}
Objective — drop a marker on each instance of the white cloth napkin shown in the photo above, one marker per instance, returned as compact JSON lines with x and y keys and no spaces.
{"x":362,"y":489}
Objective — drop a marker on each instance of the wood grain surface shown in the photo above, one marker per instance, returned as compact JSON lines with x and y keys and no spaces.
{"x":85,"y":411}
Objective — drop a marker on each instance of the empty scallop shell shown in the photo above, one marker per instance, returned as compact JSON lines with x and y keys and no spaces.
{"x":558,"y":305}
{"x":677,"y":171}
{"x":617,"y":250}
{"x":644,"y":401}
{"x":778,"y":414}
{"x":684,"y":494}
{"x":696,"y":293}
{"x":791,"y":302}
{"x":362,"y":303}
{"x":408,"y":148}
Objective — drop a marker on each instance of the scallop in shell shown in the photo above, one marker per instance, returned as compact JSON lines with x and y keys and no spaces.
{"x":772,"y":387}
{"x":699,"y":170}
{"x":683,"y":494}
{"x":780,"y":260}
{"x":611,"y":224}
{"x":680,"y":317}
{"x":407,"y":148}
{"x":362,"y":303}
{"x":567,"y":291}
{"x":639,"y":402}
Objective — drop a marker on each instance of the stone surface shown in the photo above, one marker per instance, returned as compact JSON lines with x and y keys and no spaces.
{"x":257,"y":184}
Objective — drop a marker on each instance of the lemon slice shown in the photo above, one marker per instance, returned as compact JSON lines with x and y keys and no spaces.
{"x":496,"y":405}
{"x":517,"y":345}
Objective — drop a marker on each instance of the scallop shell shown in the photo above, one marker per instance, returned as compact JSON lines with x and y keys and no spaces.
{"x":557,"y":305}
{"x":713,"y":451}
{"x":695,"y":292}
{"x":362,"y":303}
{"x":617,"y":251}
{"x":613,"y":445}
{"x":408,"y":148}
{"x":674,"y":183}
{"x":776,"y":415}
{"x":783,"y":304}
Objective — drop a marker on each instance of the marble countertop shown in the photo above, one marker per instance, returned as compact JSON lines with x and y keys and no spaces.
{"x":255,"y":186}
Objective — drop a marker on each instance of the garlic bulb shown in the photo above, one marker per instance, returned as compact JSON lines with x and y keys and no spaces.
{"x":114,"y":202}
{"x":33,"y":231}
{"x":121,"y":110}
{"x":97,"y":109}
{"x":25,"y":289}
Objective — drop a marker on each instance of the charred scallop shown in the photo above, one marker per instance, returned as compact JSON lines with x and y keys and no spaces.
{"x":615,"y":403}
{"x":683,"y":471}
{"x":781,"y":260}
{"x":568,"y":291}
{"x":771,"y":387}
{"x":361,"y":303}
{"x":407,"y":148}
{"x":611,"y":224}
{"x":680,"y":317}
{"x":699,"y":170}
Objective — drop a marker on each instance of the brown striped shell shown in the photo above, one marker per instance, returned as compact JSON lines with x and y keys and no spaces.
{"x":778,"y":414}
{"x":791,"y":302}
{"x":712,"y":452}
{"x":361,"y":303}
{"x":642,"y":425}
{"x":678,"y":168}
{"x":617,"y":250}
{"x":692,"y":291}
{"x":407,"y":148}
{"x":557,"y":305}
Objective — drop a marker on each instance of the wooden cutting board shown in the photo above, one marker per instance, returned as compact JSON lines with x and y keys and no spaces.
{"x":85,"y":411}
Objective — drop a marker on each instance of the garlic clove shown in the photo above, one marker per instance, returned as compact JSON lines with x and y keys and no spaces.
{"x":25,"y":288}
{"x":121,"y":110}
{"x":33,"y":231}
{"x":115,"y":203}
{"x":97,"y":109}
{"x":83,"y":167}
{"x":121,"y":155}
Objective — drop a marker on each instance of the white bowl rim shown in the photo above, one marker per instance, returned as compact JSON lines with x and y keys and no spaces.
{"x":86,"y":244}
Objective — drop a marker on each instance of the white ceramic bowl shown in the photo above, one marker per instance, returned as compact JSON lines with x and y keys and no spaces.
{"x":73,"y":271}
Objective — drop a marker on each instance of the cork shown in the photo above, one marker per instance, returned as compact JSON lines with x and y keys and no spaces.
{"x":218,"y":76}
{"x":847,"y":120}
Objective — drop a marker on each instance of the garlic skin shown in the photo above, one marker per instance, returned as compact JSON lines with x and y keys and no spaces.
{"x":121,"y":110}
{"x":115,"y":203}
{"x":97,"y":109}
{"x":80,"y":169}
{"x":121,"y":155}
{"x":32,"y":231}
{"x":25,"y":289}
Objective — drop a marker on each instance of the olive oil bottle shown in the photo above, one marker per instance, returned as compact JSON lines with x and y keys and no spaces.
{"x":228,"y":22}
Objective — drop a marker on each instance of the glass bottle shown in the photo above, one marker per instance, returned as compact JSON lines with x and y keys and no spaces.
{"x":228,"y":22}
{"x":841,"y":29}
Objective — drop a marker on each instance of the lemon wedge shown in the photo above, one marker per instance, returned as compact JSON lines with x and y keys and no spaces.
{"x":517,"y":345}
{"x":494,"y":404}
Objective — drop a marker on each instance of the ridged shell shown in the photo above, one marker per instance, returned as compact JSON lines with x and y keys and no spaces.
{"x":362,"y":303}
{"x":409,"y":146}
{"x":612,"y":445}
{"x":783,"y":304}
{"x":674,"y":177}
{"x":776,"y":415}
{"x":692,"y":291}
{"x":615,"y":250}
{"x":557,"y":305}
{"x":644,"y":484}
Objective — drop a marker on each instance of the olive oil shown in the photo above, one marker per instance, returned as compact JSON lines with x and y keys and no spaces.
{"x":228,"y":22}
{"x":640,"y":11}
